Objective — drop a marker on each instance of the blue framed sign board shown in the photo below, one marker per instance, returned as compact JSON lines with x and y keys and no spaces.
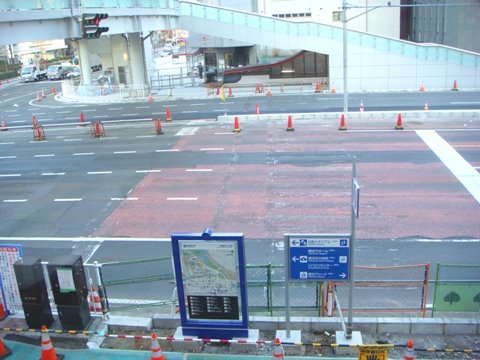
{"x":318,"y":257}
{"x":211,"y":284}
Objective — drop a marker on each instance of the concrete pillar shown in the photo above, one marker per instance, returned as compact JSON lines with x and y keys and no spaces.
{"x":135,"y":49}
{"x":84,"y":59}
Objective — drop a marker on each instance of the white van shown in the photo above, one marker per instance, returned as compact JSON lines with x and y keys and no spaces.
{"x":58,"y":71}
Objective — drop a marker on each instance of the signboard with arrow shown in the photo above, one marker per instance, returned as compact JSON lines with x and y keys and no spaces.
{"x":319,"y":257}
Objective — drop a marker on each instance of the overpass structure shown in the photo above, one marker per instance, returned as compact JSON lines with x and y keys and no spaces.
{"x":374,"y":62}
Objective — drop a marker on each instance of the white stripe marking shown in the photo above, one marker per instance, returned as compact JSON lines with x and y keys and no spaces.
{"x":129,"y":114}
{"x":224,"y":133}
{"x":53,"y":174}
{"x":99,"y":116}
{"x":7,"y":143}
{"x":459,"y":167}
{"x":187,"y":131}
{"x":72,"y":139}
{"x":99,"y":172}
{"x":64,"y":112}
{"x":124,"y":198}
{"x":67,"y":199}
{"x":189,"y":111}
{"x":15,"y":200}
{"x":83,"y":154}
{"x":212,"y":149}
{"x":125,"y":152}
{"x":147,"y":171}
{"x":167,"y":150}
{"x":117,"y":108}
{"x":198,"y":170}
{"x":145,"y":136}
{"x":44,"y":155}
{"x":10,"y":175}
{"x":182,"y":198}
{"x":18,"y":121}
{"x":197,"y":104}
{"x":142,"y":107}
{"x":8,"y":157}
{"x":165,"y":106}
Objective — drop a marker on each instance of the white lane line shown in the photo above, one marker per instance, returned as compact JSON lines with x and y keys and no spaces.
{"x":198,"y":170}
{"x":167,"y":150}
{"x":36,"y":114}
{"x":89,"y":110}
{"x":464,"y":172}
{"x":145,"y":136}
{"x":8,"y":157}
{"x":73,"y":139}
{"x":464,"y":102}
{"x":7,"y":143}
{"x":148,"y":171}
{"x":83,"y":154}
{"x":182,"y":198}
{"x":99,"y":116}
{"x":158,"y":113}
{"x":67,"y":199}
{"x":64,"y":112}
{"x":13,"y":115}
{"x":187,"y":131}
{"x":15,"y":200}
{"x":129,"y":114}
{"x":17,"y":121}
{"x":199,"y":104}
{"x":99,"y":172}
{"x":212,"y":149}
{"x":142,"y":107}
{"x":219,"y":110}
{"x":124,"y":198}
{"x":165,"y":106}
{"x":189,"y":111}
{"x":53,"y":174}
{"x":109,"y":138}
{"x":47,"y":119}
{"x":125,"y":152}
{"x":224,"y":133}
{"x":10,"y":175}
{"x":72,"y":118}
{"x":117,"y":108}
{"x":43,"y":155}
{"x":10,"y":111}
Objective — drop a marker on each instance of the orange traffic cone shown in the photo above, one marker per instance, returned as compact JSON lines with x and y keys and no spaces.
{"x":257,"y":109}
{"x":39,"y":98}
{"x":54,"y":91}
{"x":257,"y":89}
{"x":158,"y":127}
{"x":82,"y":119}
{"x":3,"y":127}
{"x":278,"y":352}
{"x":236,"y":125}
{"x":230,"y":92}
{"x":342,"y":126}
{"x":290,"y":123}
{"x":361,"y":106}
{"x":95,"y":304}
{"x":269,"y":92}
{"x":317,"y":87}
{"x":168,"y":115}
{"x":425,"y":107}
{"x":409,"y":355}
{"x":156,"y":350}
{"x":43,"y":93}
{"x":150,"y":97}
{"x":332,"y":90}
{"x":455,"y":87}
{"x":422,"y":87}
{"x":3,"y":313}
{"x":4,"y":350}
{"x":218,"y":91}
{"x":48,"y":352}
{"x":399,"y":125}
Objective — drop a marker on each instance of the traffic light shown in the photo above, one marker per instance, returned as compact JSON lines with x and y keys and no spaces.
{"x":91,"y":28}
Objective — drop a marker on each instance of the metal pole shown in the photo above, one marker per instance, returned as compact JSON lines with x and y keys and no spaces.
{"x":345,"y":35}
{"x":287,"y":285}
{"x":352,"y":251}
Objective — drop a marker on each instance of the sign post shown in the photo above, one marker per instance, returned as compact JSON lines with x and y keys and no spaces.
{"x":211,"y":284}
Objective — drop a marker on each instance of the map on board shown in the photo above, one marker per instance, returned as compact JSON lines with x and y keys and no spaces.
{"x":209,"y":268}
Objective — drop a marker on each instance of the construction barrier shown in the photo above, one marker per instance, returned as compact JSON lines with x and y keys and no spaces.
{"x":97,"y":129}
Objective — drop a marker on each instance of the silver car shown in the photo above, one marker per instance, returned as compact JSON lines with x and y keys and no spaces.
{"x":58,"y":71}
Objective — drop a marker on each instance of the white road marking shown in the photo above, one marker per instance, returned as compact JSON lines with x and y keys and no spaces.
{"x":13,"y":115}
{"x":10,"y":175}
{"x":99,"y":116}
{"x":187,"y":131}
{"x":464,"y":102}
{"x":109,"y":138}
{"x":64,"y":112}
{"x":67,"y":199}
{"x":212,"y":149}
{"x":89,"y":110}
{"x":36,"y":114}
{"x":167,"y":150}
{"x":158,"y":113}
{"x":7,"y":143}
{"x":182,"y":198}
{"x":53,"y":174}
{"x":198,"y":170}
{"x":17,"y":121}
{"x":15,"y":200}
{"x":72,"y":118}
{"x":8,"y":157}
{"x":197,"y":104}
{"x":219,"y":110}
{"x":125,"y":152}
{"x":189,"y":111}
{"x":148,"y":171}
{"x":83,"y":154}
{"x":98,"y":172}
{"x":9,"y":111}
{"x":117,"y":108}
{"x":72,"y":139}
{"x":43,"y":155}
{"x":142,"y":107}
{"x":224,"y":133}
{"x":465,"y":173}
{"x":124,"y":198}
{"x":166,"y":106}
{"x":129,"y":114}
{"x":48,"y":119}
{"x":145,"y":136}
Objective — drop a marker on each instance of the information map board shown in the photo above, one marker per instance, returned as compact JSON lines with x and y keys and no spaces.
{"x":211,"y":284}
{"x":10,"y":295}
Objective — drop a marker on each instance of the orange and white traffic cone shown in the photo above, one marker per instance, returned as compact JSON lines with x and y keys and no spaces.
{"x":409,"y":355}
{"x":257,"y":109}
{"x":333,"y":90}
{"x":425,"y":107}
{"x":4,"y":350}
{"x":3,"y":127}
{"x":168,"y":115}
{"x":422,"y":87}
{"x":39,"y":97}
{"x":54,"y":91}
{"x":399,"y":125}
{"x":34,"y":121}
{"x":257,"y":89}
{"x":290,"y":123}
{"x":317,"y":87}
{"x":343,"y":125}
{"x":269,"y":92}
{"x":48,"y":352}
{"x":43,"y":93}
{"x":278,"y":352}
{"x":236,"y":125}
{"x":156,"y":350}
{"x":158,"y":127}
{"x":361,"y":106}
{"x":95,"y":303}
{"x":82,"y":119}
{"x":150,"y":97}
{"x":230,"y":92}
{"x":455,"y":86}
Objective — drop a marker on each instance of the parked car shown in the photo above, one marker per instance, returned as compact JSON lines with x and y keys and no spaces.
{"x":58,"y":71}
{"x":74,"y":74}
{"x":32,"y":73}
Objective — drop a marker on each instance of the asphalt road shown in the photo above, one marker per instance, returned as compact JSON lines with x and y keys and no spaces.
{"x":262,"y":182}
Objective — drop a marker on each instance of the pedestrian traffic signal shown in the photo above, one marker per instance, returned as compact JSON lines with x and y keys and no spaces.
{"x":91,"y":28}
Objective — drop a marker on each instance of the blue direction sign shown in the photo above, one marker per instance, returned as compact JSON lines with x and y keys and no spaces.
{"x":319,"y":257}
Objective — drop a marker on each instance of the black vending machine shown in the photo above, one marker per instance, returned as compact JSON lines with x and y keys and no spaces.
{"x":33,"y":292}
{"x":70,"y":291}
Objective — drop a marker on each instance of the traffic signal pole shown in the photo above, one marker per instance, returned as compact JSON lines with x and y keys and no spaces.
{"x":84,"y":62}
